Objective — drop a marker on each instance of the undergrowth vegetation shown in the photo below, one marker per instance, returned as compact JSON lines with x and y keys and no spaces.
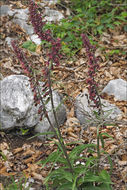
{"x":90,"y":16}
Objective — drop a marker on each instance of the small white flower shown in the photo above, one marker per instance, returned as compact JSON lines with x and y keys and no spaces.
{"x":77,"y":163}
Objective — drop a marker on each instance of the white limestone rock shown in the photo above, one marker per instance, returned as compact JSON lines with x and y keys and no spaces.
{"x":20,"y":17}
{"x":18,"y":109}
{"x":34,"y":38}
{"x":50,"y":2}
{"x":84,"y":111}
{"x":5,"y":10}
{"x":118,"y":88}
{"x":22,"y":14}
{"x":8,"y":41}
{"x":23,"y":24}
{"x":52,"y":15}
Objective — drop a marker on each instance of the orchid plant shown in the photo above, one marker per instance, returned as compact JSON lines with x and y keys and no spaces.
{"x":69,"y":175}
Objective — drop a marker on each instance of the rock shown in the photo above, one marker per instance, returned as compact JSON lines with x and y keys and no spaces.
{"x":8,"y":41}
{"x":44,"y":126}
{"x":21,"y":14}
{"x":52,"y":15}
{"x":1,"y":76}
{"x":84,"y":112}
{"x":20,"y":17}
{"x":118,"y":88}
{"x":22,"y":23}
{"x":34,"y":38}
{"x":18,"y":13}
{"x":50,"y":1}
{"x":18,"y":109}
{"x":4,"y":9}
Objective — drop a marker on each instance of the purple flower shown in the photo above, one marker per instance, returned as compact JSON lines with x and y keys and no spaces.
{"x":93,"y":67}
{"x":53,"y":57}
{"x":22,"y":58}
{"x":36,"y":20}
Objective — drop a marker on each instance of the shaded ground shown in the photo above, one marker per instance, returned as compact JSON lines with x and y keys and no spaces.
{"x":21,"y":154}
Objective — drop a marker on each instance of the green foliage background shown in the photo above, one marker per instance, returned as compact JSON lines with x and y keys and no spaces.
{"x":88,"y":16}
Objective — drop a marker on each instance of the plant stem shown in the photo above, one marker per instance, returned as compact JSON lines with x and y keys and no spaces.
{"x":98,"y":146}
{"x":59,"y":136}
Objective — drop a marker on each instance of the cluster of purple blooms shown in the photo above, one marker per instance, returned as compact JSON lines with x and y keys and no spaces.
{"x":93,"y":66}
{"x":53,"y":59}
{"x":53,"y":56}
{"x":27,"y":68}
{"x":22,"y":58}
{"x":36,"y":20}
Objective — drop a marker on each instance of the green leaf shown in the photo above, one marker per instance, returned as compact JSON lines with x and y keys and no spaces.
{"x":90,"y":161}
{"x":104,"y":187}
{"x":44,"y":133}
{"x":111,"y":164}
{"x":101,"y":187}
{"x":115,"y":51}
{"x":110,"y":26}
{"x":117,"y":23}
{"x":59,"y":176}
{"x":96,"y":114}
{"x":91,"y":177}
{"x":108,"y":112}
{"x":66,"y":49}
{"x":64,"y":186}
{"x":120,"y":18}
{"x":124,"y":14}
{"x":29,"y":45}
{"x":105,"y":177}
{"x":68,"y":176}
{"x":24,"y":131}
{"x":100,"y":29}
{"x":74,"y":183}
{"x":77,"y":150}
{"x":68,"y":39}
{"x":3,"y":156}
{"x":62,"y":34}
{"x":107,"y":135}
{"x":81,"y":170}
{"x":51,"y":158}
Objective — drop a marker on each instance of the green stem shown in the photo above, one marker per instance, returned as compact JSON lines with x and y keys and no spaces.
{"x":98,"y":146}
{"x":59,"y":136}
